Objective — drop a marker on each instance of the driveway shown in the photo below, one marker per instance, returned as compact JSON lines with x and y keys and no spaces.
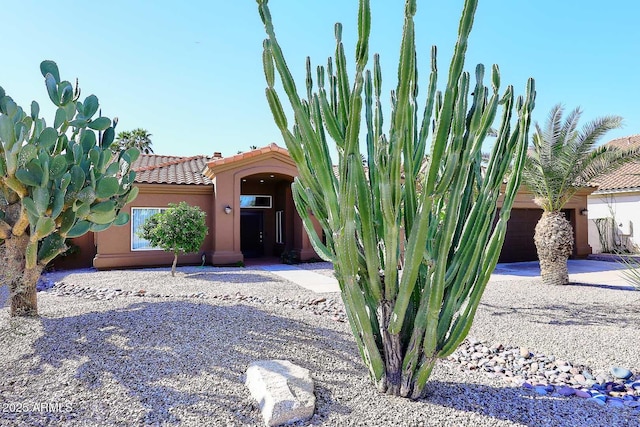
{"x":592,"y":272}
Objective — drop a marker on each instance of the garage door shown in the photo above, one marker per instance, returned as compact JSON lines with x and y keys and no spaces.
{"x":518,"y":243}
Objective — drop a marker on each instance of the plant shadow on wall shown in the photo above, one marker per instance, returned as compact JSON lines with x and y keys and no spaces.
{"x":157,"y":364}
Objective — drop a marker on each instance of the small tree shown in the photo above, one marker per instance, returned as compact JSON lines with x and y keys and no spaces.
{"x":179,"y":229}
{"x":57,"y":181}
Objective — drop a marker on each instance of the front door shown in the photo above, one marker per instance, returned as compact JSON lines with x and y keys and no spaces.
{"x":252,"y":233}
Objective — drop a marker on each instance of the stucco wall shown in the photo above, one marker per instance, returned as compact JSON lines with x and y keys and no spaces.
{"x":114,"y":244}
{"x":624,"y":209}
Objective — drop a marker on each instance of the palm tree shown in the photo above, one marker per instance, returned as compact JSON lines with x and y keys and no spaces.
{"x":139,"y":138}
{"x":561,"y":160}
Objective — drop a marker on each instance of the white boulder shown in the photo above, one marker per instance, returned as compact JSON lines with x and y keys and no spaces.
{"x":283,"y":390}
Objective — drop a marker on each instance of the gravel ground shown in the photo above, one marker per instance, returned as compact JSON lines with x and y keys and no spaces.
{"x":176,"y":353}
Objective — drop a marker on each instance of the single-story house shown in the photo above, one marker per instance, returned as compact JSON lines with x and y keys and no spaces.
{"x":250,"y":213}
{"x":614,"y":209}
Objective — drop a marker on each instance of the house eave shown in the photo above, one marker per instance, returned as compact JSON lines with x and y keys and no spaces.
{"x":272,"y":151}
{"x":616,"y":191}
{"x":157,"y":188}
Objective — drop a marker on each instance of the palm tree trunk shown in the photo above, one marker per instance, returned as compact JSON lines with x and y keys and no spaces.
{"x":554,"y":243}
{"x":22,"y":280}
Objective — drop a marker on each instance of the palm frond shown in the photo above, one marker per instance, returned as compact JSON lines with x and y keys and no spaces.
{"x":553,"y":125}
{"x":592,"y":132}
{"x":569,"y":126}
{"x":604,"y":160}
{"x":562,"y":158}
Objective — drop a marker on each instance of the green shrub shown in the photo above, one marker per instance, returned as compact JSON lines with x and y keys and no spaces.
{"x":179,"y":229}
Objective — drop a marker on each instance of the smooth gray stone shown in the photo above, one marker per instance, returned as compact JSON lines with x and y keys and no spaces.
{"x":622,"y":373}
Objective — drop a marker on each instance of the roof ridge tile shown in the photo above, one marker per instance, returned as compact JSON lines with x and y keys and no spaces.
{"x":177,"y":160}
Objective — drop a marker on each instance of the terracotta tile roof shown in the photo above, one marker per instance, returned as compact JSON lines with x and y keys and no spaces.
{"x":625,"y":142}
{"x":628,"y":176}
{"x":158,"y":169}
{"x":273,"y":147}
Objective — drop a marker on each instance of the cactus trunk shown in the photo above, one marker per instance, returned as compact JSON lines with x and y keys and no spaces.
{"x":23,"y":299}
{"x":411,"y":236}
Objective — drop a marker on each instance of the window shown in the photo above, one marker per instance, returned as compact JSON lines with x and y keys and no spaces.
{"x":255,"y":202}
{"x":138,"y":217}
{"x":279,"y":235}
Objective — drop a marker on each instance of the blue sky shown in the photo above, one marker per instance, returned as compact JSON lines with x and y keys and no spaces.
{"x":191,"y":74}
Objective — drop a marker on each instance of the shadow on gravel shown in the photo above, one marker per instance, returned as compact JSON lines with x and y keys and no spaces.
{"x":593,"y":314}
{"x":159,"y":363}
{"x":524,"y":407}
{"x":248,"y":276}
{"x":604,"y":286}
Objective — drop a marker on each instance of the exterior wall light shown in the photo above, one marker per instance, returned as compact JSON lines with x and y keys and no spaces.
{"x":584,"y":212}
{"x":227,"y":209}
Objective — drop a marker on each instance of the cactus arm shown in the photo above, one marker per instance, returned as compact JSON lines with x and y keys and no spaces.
{"x":330,"y":119}
{"x":21,"y":224}
{"x":301,"y":200}
{"x":391,"y":198}
{"x":446,"y":205}
{"x":457,"y":332}
{"x":409,"y":148}
{"x":426,"y":116}
{"x":451,"y":218}
{"x":5,"y":230}
{"x":419,"y":230}
{"x":360,"y":316}
{"x":342,"y":80}
{"x":468,"y":252}
{"x":455,"y":70}
{"x":492,"y":252}
{"x":324,"y":174}
{"x":368,"y":233}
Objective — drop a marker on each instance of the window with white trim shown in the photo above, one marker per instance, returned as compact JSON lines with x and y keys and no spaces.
{"x":279,"y":234}
{"x":248,"y":201}
{"x":138,"y":217}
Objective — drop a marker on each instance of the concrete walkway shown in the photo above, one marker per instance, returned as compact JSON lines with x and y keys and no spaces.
{"x":597,"y":273}
{"x":311,"y":280}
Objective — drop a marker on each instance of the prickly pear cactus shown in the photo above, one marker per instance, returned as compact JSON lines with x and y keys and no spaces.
{"x":58,"y":180}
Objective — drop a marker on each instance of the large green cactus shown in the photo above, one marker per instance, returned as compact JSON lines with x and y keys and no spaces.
{"x":412,"y":237}
{"x":56,"y":182}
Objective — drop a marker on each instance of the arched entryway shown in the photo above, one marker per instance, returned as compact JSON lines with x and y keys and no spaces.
{"x":266,"y":215}
{"x":253,"y":213}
